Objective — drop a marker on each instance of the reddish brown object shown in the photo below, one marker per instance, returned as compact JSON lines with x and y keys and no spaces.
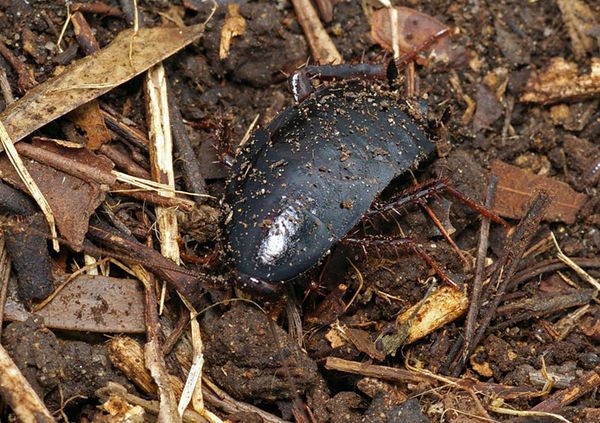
{"x":26,"y":79}
{"x":97,"y":7}
{"x":72,"y":198}
{"x":516,"y":187}
{"x":414,"y":29}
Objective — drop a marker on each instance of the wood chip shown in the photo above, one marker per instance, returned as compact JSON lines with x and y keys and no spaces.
{"x":440,"y":308}
{"x":516,"y":187}
{"x":579,"y":19}
{"x":561,"y":82}
{"x":90,"y":304}
{"x":489,"y":109}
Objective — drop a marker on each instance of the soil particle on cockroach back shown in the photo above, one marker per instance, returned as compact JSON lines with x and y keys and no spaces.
{"x":345,"y":306}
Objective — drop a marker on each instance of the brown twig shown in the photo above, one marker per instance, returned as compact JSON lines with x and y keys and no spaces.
{"x":223,"y":401}
{"x":155,"y":359}
{"x":325,"y":10}
{"x":4,"y":278}
{"x":184,"y":281}
{"x":26,"y":79}
{"x":189,"y":163}
{"x":154,"y":198}
{"x":550,"y":265}
{"x":64,"y":164}
{"x":83,"y":34}
{"x":123,"y":161}
{"x":97,"y":7}
{"x":406,"y":376}
{"x":542,"y":304}
{"x":128,"y":133}
{"x":173,"y":337}
{"x":510,"y":260}
{"x":93,"y":173}
{"x":478,"y":280}
{"x":323,"y":49}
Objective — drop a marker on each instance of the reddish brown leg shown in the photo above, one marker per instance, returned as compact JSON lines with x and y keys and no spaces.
{"x":418,"y":194}
{"x":439,"y":225}
{"x":302,"y":87}
{"x":422,"y":191}
{"x":395,"y":242}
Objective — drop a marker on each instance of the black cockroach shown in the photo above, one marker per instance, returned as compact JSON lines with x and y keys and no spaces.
{"x":305,"y":181}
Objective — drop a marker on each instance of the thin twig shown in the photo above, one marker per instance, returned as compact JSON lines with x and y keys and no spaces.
{"x":26,"y":79}
{"x":478,"y":281}
{"x":323,"y":49}
{"x":513,"y":252}
{"x":9,"y":98}
{"x":550,"y":265}
{"x":189,"y":163}
{"x":567,"y":260}
{"x":4,"y":278}
{"x":420,"y":376}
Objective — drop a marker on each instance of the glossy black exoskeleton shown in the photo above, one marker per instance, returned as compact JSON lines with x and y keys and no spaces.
{"x":305,"y":181}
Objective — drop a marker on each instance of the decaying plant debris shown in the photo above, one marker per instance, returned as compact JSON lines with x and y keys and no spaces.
{"x":122,"y":122}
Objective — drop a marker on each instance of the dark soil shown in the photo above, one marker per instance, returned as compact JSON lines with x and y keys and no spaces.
{"x":220,"y":98}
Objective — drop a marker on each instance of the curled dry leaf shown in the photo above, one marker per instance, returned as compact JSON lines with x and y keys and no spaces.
{"x":516,"y":187}
{"x":235,"y":25}
{"x":561,"y":82}
{"x":413,"y":28}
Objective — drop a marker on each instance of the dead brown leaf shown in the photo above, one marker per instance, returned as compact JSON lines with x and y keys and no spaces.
{"x":71,"y":199}
{"x":92,"y":76}
{"x":579,"y":20}
{"x":561,"y":82}
{"x":489,"y":109}
{"x":516,"y":187}
{"x":89,"y":119}
{"x":413,"y":29}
